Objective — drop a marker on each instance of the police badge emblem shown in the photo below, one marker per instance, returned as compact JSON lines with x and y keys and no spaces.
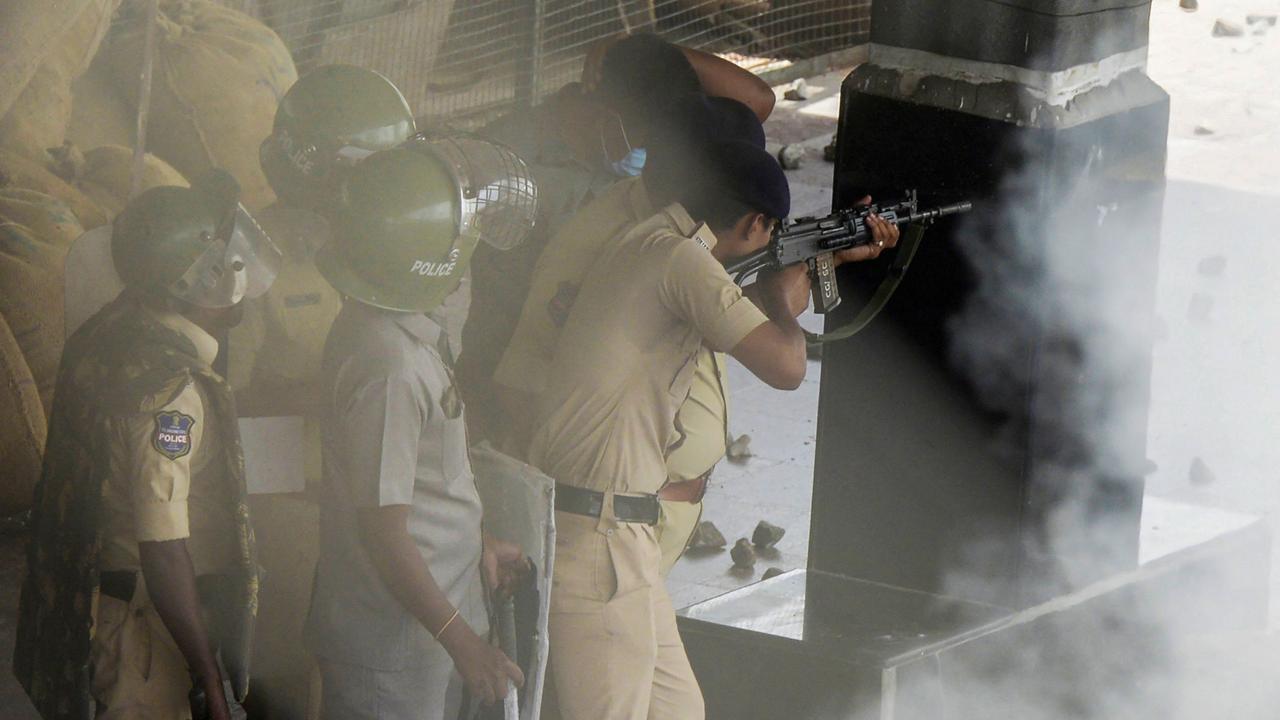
{"x":173,"y":434}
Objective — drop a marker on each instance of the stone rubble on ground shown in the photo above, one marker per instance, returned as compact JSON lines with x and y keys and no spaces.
{"x":766,"y":535}
{"x":772,"y":572}
{"x":1212,"y":266}
{"x":1227,"y":28}
{"x":798,"y":91}
{"x":707,"y":537}
{"x":1200,"y":474}
{"x":739,"y":449}
{"x":829,"y":151}
{"x":744,"y":556}
{"x":790,"y":157}
{"x":1200,"y":309}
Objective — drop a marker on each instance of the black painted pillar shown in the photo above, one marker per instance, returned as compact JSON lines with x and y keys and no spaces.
{"x":982,"y":438}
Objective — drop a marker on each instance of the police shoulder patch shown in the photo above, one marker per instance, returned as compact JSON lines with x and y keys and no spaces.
{"x":172,"y":437}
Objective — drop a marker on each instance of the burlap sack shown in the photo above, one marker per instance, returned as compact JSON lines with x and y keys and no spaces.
{"x":29,"y":29}
{"x":107,"y":170}
{"x":22,"y":427}
{"x":218,"y":76}
{"x":75,"y":48}
{"x":99,"y":115}
{"x":38,"y":119}
{"x":48,"y":218}
{"x":22,"y":172}
{"x":31,"y":304}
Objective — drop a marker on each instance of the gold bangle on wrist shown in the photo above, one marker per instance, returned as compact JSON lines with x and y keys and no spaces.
{"x":446,"y":625}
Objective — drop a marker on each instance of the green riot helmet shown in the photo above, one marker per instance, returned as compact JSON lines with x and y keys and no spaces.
{"x":497,"y":197}
{"x":330,"y":118}
{"x":196,"y":244}
{"x":396,"y":243}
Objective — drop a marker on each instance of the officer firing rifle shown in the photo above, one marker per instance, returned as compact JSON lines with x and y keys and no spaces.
{"x":816,"y":240}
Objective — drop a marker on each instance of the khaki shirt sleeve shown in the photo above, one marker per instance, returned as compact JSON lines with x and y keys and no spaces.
{"x":696,"y":288}
{"x":159,"y":448}
{"x":381,"y":426}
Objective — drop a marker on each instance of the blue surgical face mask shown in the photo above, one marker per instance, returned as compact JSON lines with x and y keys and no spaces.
{"x":631,"y":165}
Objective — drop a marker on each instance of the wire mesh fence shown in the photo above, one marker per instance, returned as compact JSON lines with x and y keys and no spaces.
{"x":462,"y":61}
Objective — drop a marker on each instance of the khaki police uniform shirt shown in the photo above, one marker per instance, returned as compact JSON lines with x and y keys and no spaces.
{"x":558,"y":277}
{"x":627,"y":355}
{"x":395,"y":434}
{"x":168,"y":478}
{"x":500,"y":278}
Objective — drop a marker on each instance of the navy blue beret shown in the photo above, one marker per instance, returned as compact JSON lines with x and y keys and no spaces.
{"x":753,"y":176}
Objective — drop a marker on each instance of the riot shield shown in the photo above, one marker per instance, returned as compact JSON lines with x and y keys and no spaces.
{"x":90,"y":280}
{"x":519,"y":506}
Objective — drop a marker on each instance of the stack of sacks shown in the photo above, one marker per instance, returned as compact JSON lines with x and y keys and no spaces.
{"x":217,"y":78}
{"x":31,"y":307}
{"x":22,"y":429}
{"x":36,"y":118}
{"x":104,"y":173}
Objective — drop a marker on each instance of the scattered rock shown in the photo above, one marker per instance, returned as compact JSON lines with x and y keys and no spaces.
{"x":744,"y":557}
{"x":1200,"y":474}
{"x":766,"y":535}
{"x":1268,"y":19}
{"x":739,"y":449}
{"x":772,"y":572}
{"x":829,"y":151}
{"x":1212,"y":266}
{"x":1189,"y":5}
{"x":798,"y":91}
{"x":1200,"y":309}
{"x":790,"y":157}
{"x":1227,"y":28}
{"x":1203,"y":130}
{"x":707,"y":537}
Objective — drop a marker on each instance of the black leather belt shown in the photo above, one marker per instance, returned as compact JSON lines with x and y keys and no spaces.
{"x":122,"y":584}
{"x":643,"y":509}
{"x":118,"y":584}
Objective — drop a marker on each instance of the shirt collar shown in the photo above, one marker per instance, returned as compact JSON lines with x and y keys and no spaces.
{"x":206,"y":345}
{"x":683,"y":223}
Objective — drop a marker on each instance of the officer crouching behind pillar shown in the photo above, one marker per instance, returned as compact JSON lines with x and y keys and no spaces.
{"x":626,"y":358}
{"x":141,"y":504}
{"x":400,"y":596}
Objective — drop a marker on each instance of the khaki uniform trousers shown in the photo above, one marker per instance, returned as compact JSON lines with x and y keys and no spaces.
{"x":615,"y":651}
{"x":675,"y":530}
{"x":138,"y":671}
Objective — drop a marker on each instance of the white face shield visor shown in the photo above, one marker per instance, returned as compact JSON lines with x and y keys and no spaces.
{"x":241,"y":262}
{"x":499,"y":198}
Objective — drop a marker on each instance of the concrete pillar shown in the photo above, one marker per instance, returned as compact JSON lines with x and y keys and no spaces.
{"x":985,"y":437}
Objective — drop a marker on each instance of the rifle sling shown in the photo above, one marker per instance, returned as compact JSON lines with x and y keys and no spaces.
{"x":898,"y":270}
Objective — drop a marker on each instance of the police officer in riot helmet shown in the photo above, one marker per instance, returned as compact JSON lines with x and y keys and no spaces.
{"x":328,"y":120}
{"x":399,"y":601}
{"x":141,"y":555}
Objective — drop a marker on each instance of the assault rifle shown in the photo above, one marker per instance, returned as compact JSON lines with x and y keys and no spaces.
{"x":815,"y":240}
